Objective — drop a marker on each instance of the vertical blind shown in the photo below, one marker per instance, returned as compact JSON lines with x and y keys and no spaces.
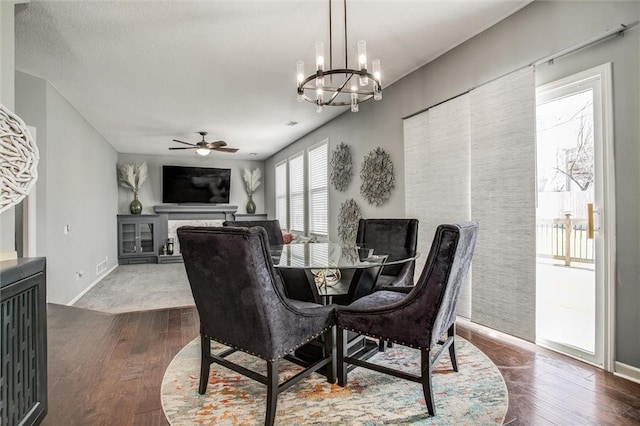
{"x":437,"y":168}
{"x":296,"y":193}
{"x":503,"y":202}
{"x":474,"y":157}
{"x":281,"y":194}
{"x":318,"y":200}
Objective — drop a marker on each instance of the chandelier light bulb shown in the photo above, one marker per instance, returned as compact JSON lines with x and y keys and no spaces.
{"x":377,"y":91}
{"x":362,"y":61}
{"x":375,"y":64}
{"x":300,"y":71}
{"x":320,"y":56}
{"x":203,"y":151}
{"x":354,"y":102}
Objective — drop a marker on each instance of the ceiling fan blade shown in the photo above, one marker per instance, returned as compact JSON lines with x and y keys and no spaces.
{"x":192,"y":147}
{"x":186,"y":143}
{"x":221,"y":149}
{"x":218,"y":143}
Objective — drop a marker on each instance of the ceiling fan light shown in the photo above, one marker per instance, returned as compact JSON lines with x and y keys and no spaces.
{"x":203,"y":151}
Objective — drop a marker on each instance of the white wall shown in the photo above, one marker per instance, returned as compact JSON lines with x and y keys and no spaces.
{"x":76,"y":182}
{"x":536,"y":31}
{"x":151,"y":192}
{"x":7,"y":60}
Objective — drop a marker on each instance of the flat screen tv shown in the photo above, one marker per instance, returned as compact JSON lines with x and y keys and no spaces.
{"x":195,"y":185}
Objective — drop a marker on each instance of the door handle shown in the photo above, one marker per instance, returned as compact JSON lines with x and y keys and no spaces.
{"x":590,"y":221}
{"x":594,"y":220}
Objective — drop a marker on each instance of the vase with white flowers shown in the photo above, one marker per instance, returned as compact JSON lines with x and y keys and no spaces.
{"x":132,"y":176}
{"x":251,"y":180}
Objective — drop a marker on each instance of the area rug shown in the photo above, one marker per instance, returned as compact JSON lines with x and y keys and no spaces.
{"x":476,"y":395}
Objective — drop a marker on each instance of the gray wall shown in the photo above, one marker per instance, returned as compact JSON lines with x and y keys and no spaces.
{"x":151,"y":191}
{"x":75,"y":187}
{"x":537,"y":31}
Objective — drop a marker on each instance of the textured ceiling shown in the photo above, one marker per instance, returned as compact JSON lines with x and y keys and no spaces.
{"x":143,"y":72}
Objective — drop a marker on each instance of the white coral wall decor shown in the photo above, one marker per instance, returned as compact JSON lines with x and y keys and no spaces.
{"x":341,"y":167}
{"x":18,"y":157}
{"x":348,"y":217}
{"x":377,"y":177}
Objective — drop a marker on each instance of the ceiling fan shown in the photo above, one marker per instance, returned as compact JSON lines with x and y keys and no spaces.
{"x":204,"y":148}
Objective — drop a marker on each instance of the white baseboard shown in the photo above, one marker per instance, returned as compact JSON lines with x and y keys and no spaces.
{"x":75,"y":299}
{"x":628,"y":372}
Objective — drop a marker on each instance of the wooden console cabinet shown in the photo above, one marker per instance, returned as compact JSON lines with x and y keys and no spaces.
{"x":23,"y":341}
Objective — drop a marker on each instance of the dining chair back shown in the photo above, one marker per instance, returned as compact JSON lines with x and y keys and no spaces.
{"x":274,"y":232}
{"x":391,"y":232}
{"x":418,"y":316}
{"x":240,"y":306}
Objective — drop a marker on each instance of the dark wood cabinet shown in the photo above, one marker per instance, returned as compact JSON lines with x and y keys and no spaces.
{"x":138,"y":237}
{"x":23,"y":342}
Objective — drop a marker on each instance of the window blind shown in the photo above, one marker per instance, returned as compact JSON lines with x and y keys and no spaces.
{"x":296,"y":193}
{"x":318,"y":199}
{"x":281,"y":195}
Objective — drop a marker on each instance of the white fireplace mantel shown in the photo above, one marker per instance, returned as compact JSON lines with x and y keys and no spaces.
{"x":197,"y":211}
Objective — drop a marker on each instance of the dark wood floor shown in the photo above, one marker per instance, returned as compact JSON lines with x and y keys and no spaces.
{"x":107,"y":369}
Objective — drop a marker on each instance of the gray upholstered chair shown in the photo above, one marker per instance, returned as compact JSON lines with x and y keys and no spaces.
{"x":241,"y":306}
{"x":391,"y":232}
{"x":416,"y":317}
{"x":274,"y":232}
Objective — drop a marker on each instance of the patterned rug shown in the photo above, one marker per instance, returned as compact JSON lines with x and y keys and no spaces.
{"x":476,"y":395}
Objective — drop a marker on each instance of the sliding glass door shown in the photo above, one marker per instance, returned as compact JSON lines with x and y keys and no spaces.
{"x":570,"y":279}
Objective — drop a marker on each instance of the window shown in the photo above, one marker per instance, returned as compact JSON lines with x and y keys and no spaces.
{"x":281,"y":194}
{"x":318,"y":204}
{"x":301,"y":191}
{"x":296,"y":194}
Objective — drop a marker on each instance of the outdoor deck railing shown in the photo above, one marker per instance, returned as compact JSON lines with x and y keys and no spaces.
{"x":564,"y":239}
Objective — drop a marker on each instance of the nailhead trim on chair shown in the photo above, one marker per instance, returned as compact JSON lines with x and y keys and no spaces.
{"x":383,"y":338}
{"x":271,"y":360}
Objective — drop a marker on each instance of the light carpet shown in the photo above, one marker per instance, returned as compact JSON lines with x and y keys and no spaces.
{"x":131,"y":288}
{"x":476,"y":395}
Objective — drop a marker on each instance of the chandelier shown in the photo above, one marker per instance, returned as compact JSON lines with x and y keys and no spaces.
{"x":342,"y":86}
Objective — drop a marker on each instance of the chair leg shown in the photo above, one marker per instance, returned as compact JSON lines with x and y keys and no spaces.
{"x":330,"y":350}
{"x":381,"y":346}
{"x":452,"y":348}
{"x":426,"y":381}
{"x":341,"y":348}
{"x":205,"y":363}
{"x":272,"y":392}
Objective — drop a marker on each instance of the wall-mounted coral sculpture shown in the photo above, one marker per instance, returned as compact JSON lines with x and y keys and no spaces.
{"x":341,"y":170}
{"x":348,"y":217}
{"x":19,"y":157}
{"x":377,"y":177}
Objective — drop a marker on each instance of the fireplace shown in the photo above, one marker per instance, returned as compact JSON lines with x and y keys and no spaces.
{"x":173,"y":216}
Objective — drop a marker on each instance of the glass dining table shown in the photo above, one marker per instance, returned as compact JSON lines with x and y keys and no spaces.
{"x":328,"y":272}
{"x":335,"y":268}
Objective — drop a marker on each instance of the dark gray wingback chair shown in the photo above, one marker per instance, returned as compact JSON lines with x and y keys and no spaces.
{"x":239,"y":304}
{"x":274,"y":232}
{"x":391,"y":232}
{"x":418,"y":316}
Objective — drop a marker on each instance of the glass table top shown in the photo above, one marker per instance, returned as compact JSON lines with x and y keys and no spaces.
{"x":328,"y":255}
